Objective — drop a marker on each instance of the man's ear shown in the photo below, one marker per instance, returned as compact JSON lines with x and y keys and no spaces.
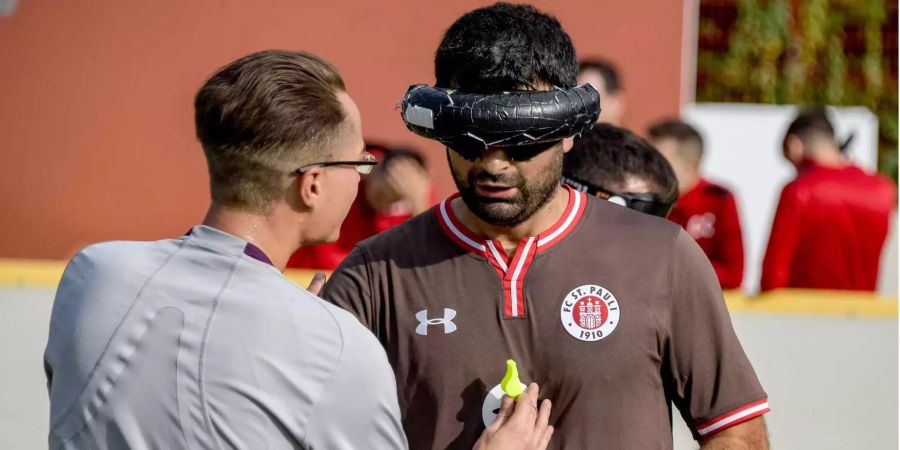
{"x":793,"y":149}
{"x":309,"y":187}
{"x":568,"y":143}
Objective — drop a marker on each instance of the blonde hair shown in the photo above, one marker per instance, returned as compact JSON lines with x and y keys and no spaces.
{"x":261,"y":116}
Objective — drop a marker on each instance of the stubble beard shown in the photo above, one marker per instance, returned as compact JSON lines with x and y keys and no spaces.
{"x":528,"y":199}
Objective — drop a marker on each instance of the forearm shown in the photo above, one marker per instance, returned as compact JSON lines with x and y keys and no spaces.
{"x":750,"y":435}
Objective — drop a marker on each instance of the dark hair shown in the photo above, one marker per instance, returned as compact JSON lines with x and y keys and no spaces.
{"x":688,"y":138}
{"x":505,"y":47}
{"x":607,"y":71}
{"x":262,"y":115}
{"x":813,"y":121}
{"x":607,"y":155}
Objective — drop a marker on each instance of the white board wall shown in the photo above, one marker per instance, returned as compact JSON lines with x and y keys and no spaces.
{"x":743,"y":152}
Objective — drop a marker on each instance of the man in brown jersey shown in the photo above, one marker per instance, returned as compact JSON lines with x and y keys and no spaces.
{"x":616,"y":314}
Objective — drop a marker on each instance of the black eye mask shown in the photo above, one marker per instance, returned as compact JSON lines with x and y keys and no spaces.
{"x":642,"y":202}
{"x":524,"y":123}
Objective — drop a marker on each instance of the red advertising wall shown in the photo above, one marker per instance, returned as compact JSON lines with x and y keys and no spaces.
{"x":96,"y":128}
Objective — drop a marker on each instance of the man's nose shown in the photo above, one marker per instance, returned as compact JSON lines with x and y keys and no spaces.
{"x":495,"y":160}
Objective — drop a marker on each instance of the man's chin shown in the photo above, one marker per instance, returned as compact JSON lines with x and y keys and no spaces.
{"x":322,"y":240}
{"x":501,"y":213}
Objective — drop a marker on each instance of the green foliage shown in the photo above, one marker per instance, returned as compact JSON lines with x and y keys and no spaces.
{"x":784,"y":56}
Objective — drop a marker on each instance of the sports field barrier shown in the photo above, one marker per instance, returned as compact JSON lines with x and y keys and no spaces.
{"x":19,"y":272}
{"x":828,"y":360}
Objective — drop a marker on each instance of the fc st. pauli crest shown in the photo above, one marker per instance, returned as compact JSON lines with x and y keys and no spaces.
{"x":589,"y":312}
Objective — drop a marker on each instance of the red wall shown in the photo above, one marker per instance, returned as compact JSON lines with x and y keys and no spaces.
{"x":96,"y":126}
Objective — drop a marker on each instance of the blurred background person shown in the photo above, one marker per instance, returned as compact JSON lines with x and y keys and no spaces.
{"x":831,"y":221}
{"x":396,"y":190}
{"x":604,"y":76}
{"x":615,"y":164}
{"x":707,"y":211}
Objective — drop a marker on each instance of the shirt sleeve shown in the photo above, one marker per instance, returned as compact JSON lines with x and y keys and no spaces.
{"x":728,"y":259}
{"x":358,"y":408}
{"x":350,"y":288}
{"x":709,"y":377}
{"x":783,"y":238}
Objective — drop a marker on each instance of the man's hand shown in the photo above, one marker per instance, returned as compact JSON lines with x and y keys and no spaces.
{"x":519,"y":425}
{"x":750,"y":435}
{"x":409,"y":180}
{"x":317,"y":283}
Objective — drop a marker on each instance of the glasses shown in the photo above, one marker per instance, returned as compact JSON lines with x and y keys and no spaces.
{"x":363,"y":166}
{"x":642,"y":202}
{"x":517,"y":153}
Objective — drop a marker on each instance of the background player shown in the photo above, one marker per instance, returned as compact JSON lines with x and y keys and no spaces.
{"x":614,"y":164}
{"x":706,"y":210}
{"x":831,"y":201}
{"x":604,"y":76}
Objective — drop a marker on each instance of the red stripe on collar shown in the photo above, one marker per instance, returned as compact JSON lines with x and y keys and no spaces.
{"x":470,"y":241}
{"x":566,"y":223}
{"x":512,"y":272}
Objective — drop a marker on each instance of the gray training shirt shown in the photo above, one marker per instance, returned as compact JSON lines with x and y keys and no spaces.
{"x":199,"y":342}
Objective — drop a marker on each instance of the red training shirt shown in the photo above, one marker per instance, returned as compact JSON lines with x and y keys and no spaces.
{"x":829,"y":230}
{"x":708,"y":212}
{"x":361,"y":223}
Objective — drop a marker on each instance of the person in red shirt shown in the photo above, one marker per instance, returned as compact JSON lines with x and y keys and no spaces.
{"x":604,"y":76}
{"x":396,"y":190}
{"x":707,"y":211}
{"x":831,"y":221}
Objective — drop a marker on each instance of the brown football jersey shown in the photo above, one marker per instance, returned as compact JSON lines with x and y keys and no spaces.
{"x":614,"y":313}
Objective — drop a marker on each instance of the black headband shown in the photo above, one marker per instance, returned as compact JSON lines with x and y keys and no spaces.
{"x":464,"y":121}
{"x":642,"y":202}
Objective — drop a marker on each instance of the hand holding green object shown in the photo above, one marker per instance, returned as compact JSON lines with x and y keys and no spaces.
{"x":510,"y":384}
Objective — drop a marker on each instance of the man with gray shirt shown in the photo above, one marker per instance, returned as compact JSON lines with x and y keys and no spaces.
{"x":199,"y":341}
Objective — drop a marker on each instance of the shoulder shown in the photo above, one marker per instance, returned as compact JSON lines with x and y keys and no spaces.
{"x":636,"y":237}
{"x":274,"y":295}
{"x":121,"y":252}
{"x":341,"y":337}
{"x":717,"y":190}
{"x":272,"y":308}
{"x":618,"y":225}
{"x":633,"y":245}
{"x":362,"y":391}
{"x":357,"y":340}
{"x":800,"y":186}
{"x":884,"y":183}
{"x":118,"y":259}
{"x":884,"y":192}
{"x":598,"y":210}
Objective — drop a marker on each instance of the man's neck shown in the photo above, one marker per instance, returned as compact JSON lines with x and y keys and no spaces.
{"x":510,"y":236}
{"x":825,"y":158}
{"x":276,"y":241}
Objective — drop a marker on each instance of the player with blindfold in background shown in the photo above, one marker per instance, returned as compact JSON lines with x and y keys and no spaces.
{"x":615,"y":164}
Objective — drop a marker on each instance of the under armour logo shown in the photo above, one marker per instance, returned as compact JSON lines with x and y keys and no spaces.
{"x":424,"y":321}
